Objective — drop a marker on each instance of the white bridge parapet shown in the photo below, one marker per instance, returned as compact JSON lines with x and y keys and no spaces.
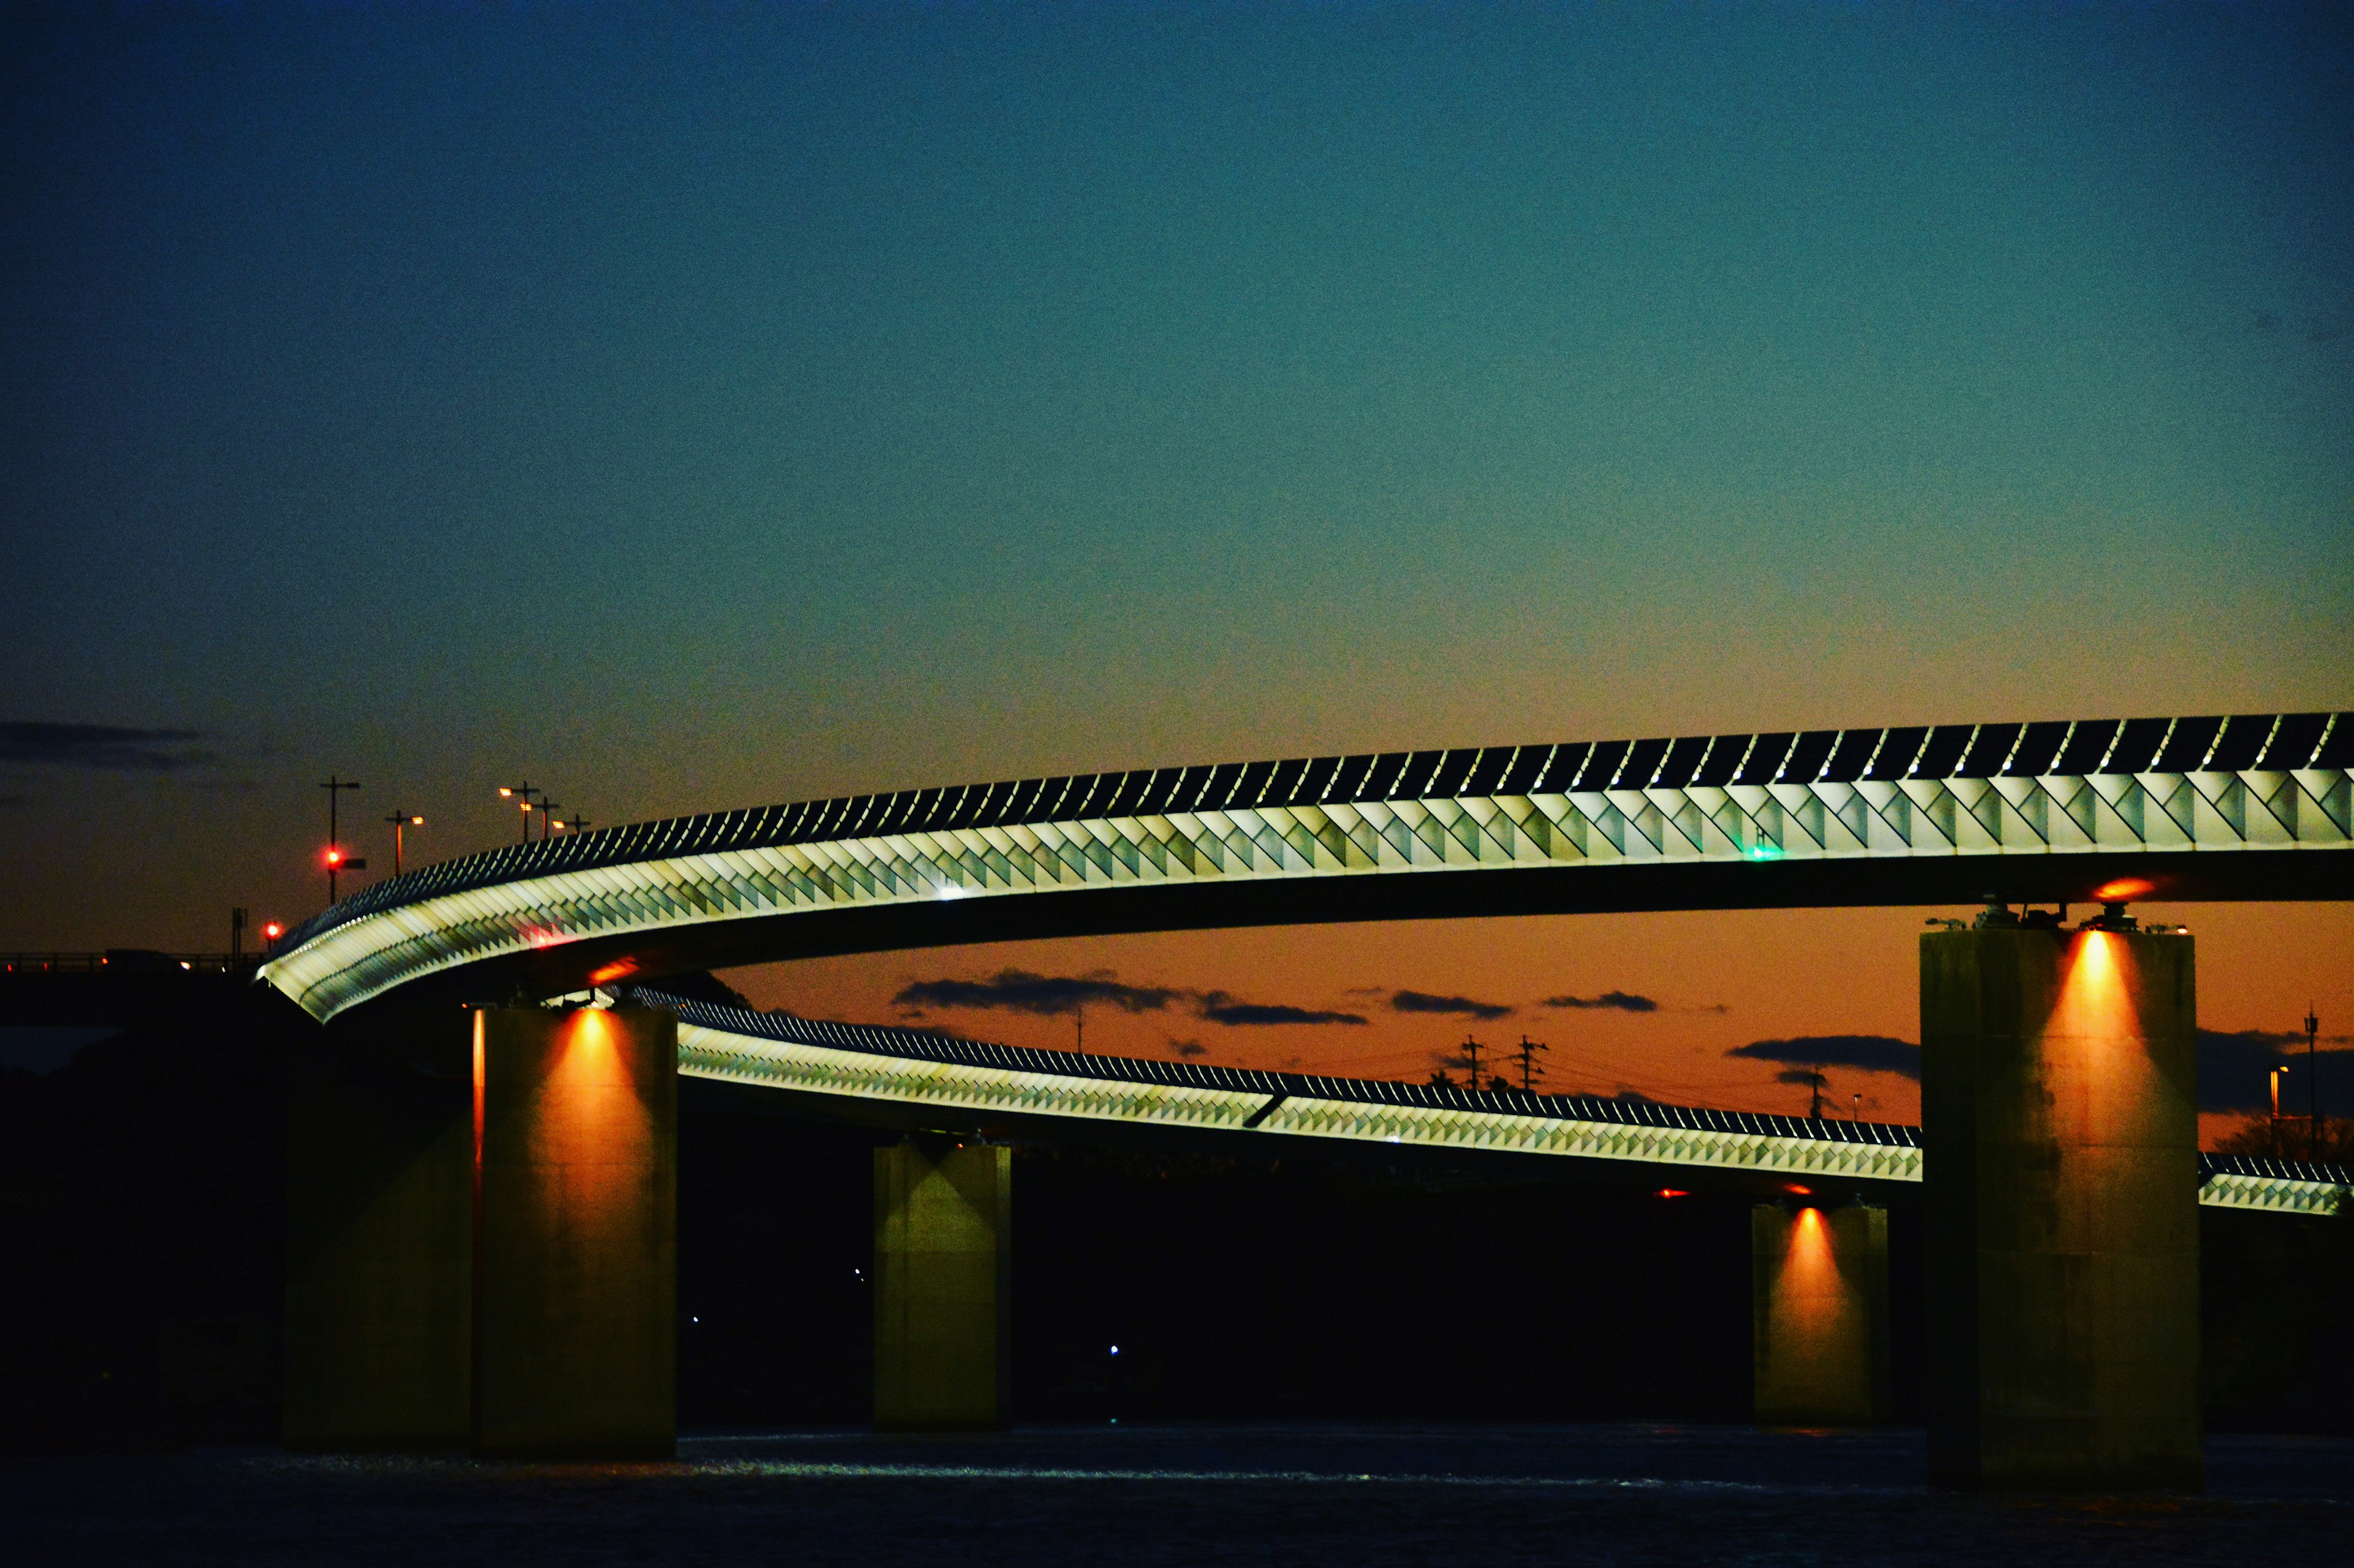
{"x":2003,"y":795}
{"x":813,"y":1057}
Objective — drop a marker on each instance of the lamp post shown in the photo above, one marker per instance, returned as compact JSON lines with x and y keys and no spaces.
{"x":334,"y":786}
{"x":401,"y":822}
{"x":548,"y":822}
{"x":2312,"y":1085}
{"x":522,"y":793}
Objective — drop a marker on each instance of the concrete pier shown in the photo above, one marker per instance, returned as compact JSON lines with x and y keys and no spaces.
{"x":576,"y":1340}
{"x":379,"y":1221}
{"x":943,"y":1276}
{"x":2061,"y":1186}
{"x":1820,"y":1301}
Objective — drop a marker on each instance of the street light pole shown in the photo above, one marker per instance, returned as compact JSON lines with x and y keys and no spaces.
{"x":334,"y":786}
{"x":401,"y":822}
{"x":2312,"y":1085}
{"x":525,"y":790}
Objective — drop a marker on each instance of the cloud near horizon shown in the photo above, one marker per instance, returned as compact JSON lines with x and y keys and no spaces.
{"x":1063,"y":996}
{"x":110,"y":748}
{"x":1618,"y":1000}
{"x":1459,"y":1006}
{"x":1044,"y":996}
{"x":2235,"y":1071}
{"x":1219,"y":1007}
{"x":2234,"y":1067}
{"x":1863,"y":1053}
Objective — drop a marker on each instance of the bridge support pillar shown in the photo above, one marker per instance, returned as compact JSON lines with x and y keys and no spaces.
{"x":378,"y":1221}
{"x":2060,"y":1189}
{"x":943,"y":1278}
{"x":1821,"y":1315}
{"x":576,"y":1315}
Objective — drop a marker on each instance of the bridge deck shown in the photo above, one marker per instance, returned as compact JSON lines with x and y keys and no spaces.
{"x":1918,"y":815}
{"x":916,"y":1069}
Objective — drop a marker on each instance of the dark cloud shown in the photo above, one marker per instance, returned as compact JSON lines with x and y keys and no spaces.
{"x":1865,"y":1052}
{"x":2235,"y":1068}
{"x":1460,"y":1006}
{"x":1218,"y":1007}
{"x":1018,"y":991}
{"x":1623,"y":1002}
{"x":107,"y":747}
{"x":1189,"y":1047}
{"x":1048,"y":996}
{"x":1800,"y":1075}
{"x":2235,"y":1071}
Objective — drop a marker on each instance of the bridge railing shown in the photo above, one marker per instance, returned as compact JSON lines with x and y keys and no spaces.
{"x":130,"y":960}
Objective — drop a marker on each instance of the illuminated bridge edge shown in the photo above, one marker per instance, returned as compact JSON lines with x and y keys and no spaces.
{"x":2271,"y":782}
{"x":913,"y":1068}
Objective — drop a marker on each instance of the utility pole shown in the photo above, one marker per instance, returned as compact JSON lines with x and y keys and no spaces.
{"x":401,"y":822}
{"x":1471,"y":1049}
{"x":334,"y":786}
{"x":1815,"y":1110}
{"x":2312,"y":1085}
{"x":525,"y":790}
{"x":1528,"y":1064}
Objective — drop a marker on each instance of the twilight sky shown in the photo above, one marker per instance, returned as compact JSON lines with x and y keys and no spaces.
{"x":686,"y":409}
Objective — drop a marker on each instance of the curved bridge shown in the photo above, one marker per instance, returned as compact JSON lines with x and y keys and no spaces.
{"x":937,"y":1082}
{"x":2196,"y":808}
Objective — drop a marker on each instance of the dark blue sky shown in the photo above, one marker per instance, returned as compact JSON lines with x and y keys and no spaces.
{"x":697,"y":406}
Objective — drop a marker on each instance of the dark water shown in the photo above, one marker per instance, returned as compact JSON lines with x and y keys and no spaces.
{"x":1261,"y":1494}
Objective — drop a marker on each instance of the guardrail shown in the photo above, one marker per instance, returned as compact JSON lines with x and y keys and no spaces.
{"x":131,"y":960}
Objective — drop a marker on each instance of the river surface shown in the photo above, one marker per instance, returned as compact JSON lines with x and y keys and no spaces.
{"x":1175,"y":1494}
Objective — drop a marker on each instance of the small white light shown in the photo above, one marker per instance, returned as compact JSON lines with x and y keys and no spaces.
{"x":1115,"y":1349}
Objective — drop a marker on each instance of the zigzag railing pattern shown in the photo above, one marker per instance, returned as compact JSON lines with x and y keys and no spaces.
{"x":914,"y":1068}
{"x":2258,"y":782}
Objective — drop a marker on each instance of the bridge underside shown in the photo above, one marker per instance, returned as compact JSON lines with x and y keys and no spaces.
{"x":1633,"y":887}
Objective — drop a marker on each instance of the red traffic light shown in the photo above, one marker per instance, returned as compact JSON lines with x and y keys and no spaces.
{"x":273,"y":930}
{"x":335,"y":856}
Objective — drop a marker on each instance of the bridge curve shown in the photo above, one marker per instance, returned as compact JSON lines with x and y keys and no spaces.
{"x":920,"y":1081}
{"x":1944,"y":814}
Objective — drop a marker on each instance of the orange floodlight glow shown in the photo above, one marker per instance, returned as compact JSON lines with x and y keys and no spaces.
{"x":1671,"y":1192}
{"x":2124,"y":890}
{"x":1793,"y":1188}
{"x":2097,"y":990}
{"x":619,"y":969}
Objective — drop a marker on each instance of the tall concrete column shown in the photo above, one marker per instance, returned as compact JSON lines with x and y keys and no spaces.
{"x":1820,"y":1300}
{"x":943,"y":1278}
{"x":379,"y":1220}
{"x":576,"y":1314}
{"x":2060,"y":1189}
